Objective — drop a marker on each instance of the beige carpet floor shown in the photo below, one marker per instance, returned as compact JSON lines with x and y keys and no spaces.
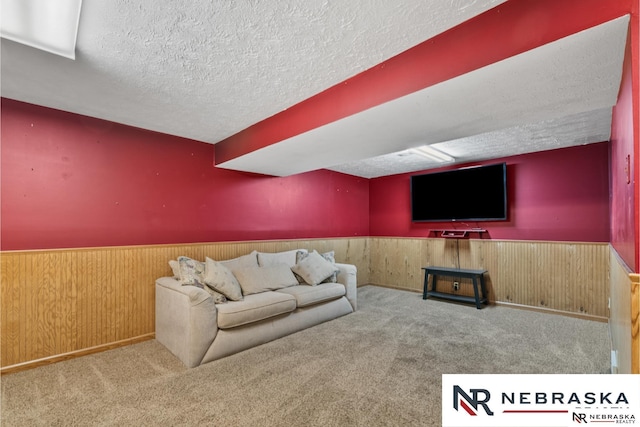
{"x":380,"y":366}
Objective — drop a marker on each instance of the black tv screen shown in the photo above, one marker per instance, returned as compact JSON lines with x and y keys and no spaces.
{"x":470,"y":194}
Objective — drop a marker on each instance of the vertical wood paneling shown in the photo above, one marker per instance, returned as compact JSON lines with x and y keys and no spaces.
{"x":635,"y":323}
{"x":62,"y":301}
{"x":621,"y":318}
{"x":568,"y":277}
{"x":56,"y":302}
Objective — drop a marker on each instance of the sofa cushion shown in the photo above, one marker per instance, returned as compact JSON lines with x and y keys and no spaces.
{"x":329,"y":256}
{"x":254,"y":308}
{"x":221,"y":279}
{"x":314,"y":268}
{"x":254,"y":280}
{"x":266,"y":259}
{"x":244,"y":261}
{"x":310,"y":295}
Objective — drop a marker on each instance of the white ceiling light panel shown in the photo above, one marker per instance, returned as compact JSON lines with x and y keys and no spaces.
{"x":50,"y":25}
{"x":432,"y":153}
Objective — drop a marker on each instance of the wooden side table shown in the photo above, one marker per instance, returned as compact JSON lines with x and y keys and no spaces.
{"x":477,"y":276}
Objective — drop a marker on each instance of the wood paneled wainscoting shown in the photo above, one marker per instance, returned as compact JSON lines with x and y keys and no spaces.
{"x":58,"y":304}
{"x":572,"y":278}
{"x":635,"y":323}
{"x":624,"y":321}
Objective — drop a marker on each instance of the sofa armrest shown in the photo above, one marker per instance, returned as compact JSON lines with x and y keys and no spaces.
{"x":348,"y":276}
{"x":186,"y":320}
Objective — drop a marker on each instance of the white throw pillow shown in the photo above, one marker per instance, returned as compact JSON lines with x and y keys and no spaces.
{"x":221,"y":279}
{"x":175,"y":268}
{"x":314,"y":268}
{"x":329,"y":256}
{"x":244,"y":261}
{"x":254,"y":280}
{"x":266,"y":259}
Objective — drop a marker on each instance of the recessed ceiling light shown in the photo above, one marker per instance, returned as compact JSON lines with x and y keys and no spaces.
{"x":50,"y":25}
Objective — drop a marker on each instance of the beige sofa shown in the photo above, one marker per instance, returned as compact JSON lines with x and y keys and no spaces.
{"x":198,"y":330}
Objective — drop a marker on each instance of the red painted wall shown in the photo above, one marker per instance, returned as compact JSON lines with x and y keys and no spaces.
{"x":72,"y":181}
{"x":624,"y":143}
{"x":559,"y":195}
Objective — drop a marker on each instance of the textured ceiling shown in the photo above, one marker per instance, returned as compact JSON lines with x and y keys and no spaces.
{"x":207,"y":70}
{"x":539,"y":96}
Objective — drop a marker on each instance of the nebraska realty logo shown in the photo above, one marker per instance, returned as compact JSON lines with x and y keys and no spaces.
{"x":539,"y":400}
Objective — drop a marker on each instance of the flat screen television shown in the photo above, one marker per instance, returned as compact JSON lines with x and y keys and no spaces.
{"x":470,"y":194}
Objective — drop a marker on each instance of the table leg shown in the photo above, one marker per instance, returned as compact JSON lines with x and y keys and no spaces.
{"x":426,"y":283}
{"x":475,"y":292}
{"x":484,"y":288}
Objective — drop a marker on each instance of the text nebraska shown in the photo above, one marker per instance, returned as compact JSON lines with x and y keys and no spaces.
{"x":542,"y":398}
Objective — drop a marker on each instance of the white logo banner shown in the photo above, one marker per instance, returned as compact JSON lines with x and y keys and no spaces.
{"x":540,"y":400}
